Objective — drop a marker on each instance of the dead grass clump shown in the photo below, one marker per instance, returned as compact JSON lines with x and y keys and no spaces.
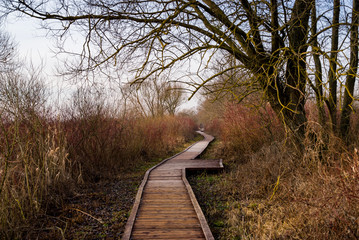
{"x":325,"y":200}
{"x":278,"y":195}
{"x":34,"y":164}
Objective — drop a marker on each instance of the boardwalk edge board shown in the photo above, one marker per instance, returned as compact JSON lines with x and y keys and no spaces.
{"x":202,"y":219}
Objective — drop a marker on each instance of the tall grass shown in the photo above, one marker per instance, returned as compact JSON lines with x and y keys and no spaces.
{"x":34,"y":164}
{"x":43,"y":157}
{"x":274,"y":192}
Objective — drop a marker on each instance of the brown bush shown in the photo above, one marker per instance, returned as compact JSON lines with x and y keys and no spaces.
{"x":100,"y":145}
{"x":244,"y":130}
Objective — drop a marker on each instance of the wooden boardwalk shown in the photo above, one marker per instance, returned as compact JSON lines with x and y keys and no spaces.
{"x":165,"y":205}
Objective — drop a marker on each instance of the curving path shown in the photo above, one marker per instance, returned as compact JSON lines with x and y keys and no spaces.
{"x":165,"y":205}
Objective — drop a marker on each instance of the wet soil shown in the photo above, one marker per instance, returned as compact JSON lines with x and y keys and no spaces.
{"x":95,"y":211}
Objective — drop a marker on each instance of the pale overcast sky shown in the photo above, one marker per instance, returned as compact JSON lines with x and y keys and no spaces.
{"x":33,"y":45}
{"x":31,"y":41}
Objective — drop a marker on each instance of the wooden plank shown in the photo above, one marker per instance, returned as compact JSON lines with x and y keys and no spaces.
{"x":171,"y":196}
{"x":166,"y":181}
{"x":165,"y":187}
{"x":172,"y":238}
{"x":169,"y":233}
{"x":144,"y":215}
{"x":158,"y":185}
{"x":136,"y":205}
{"x":166,"y":208}
{"x":166,"y":224}
{"x":184,"y":221}
{"x":166,"y":201}
{"x":178,"y":212}
{"x":172,"y":182}
{"x":170,"y":172}
{"x":146,"y":207}
{"x":164,"y":178}
{"x":178,"y":193}
{"x":168,"y":205}
{"x":163,"y":183}
{"x":165,"y":190}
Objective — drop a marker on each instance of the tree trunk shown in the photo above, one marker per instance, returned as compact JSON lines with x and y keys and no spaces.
{"x":351,"y":74}
{"x":296,"y":76}
{"x":275,"y":28}
{"x":332,"y":101}
{"x":286,"y":94}
{"x":318,"y":70}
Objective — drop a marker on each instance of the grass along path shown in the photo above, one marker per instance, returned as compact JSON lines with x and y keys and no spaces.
{"x":274,"y":194}
{"x":97,"y":210}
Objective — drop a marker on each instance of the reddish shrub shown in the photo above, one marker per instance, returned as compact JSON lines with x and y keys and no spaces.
{"x":101,"y":144}
{"x":244,"y":129}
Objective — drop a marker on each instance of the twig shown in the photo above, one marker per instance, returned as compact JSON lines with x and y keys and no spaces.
{"x":87,"y":214}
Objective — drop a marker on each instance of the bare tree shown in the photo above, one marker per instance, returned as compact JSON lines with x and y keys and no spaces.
{"x":173,"y":97}
{"x":22,"y":91}
{"x":6,"y":63}
{"x":21,"y":97}
{"x":87,"y":104}
{"x":7,"y":53}
{"x":230,"y":82}
{"x":156,"y":97}
{"x":268,"y":39}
